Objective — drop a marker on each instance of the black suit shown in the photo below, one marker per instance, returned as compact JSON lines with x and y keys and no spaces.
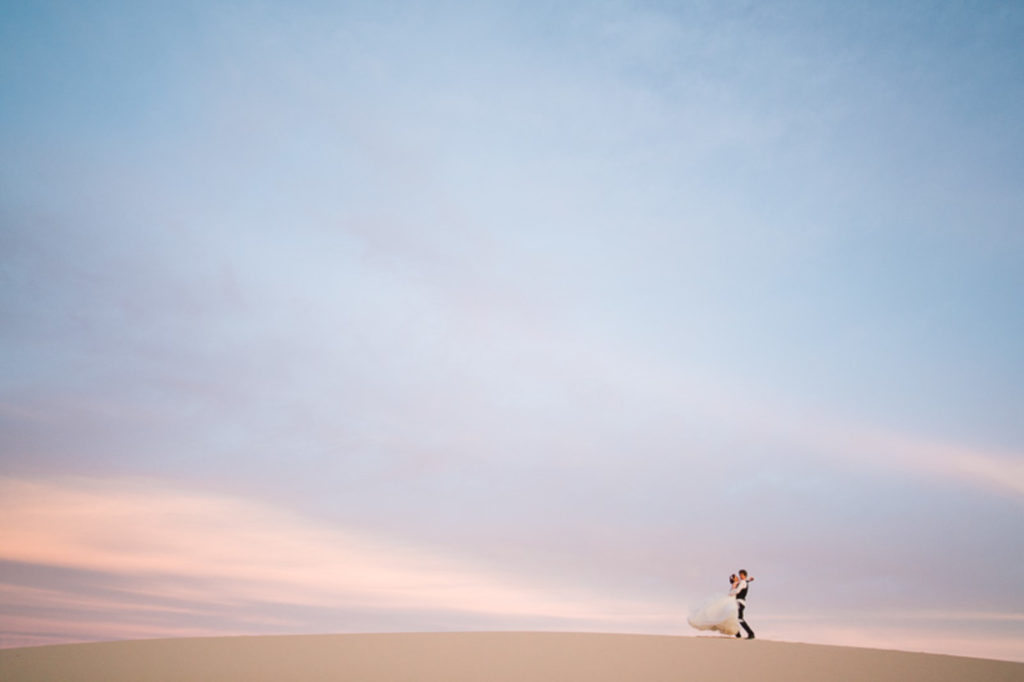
{"x":741,"y":600}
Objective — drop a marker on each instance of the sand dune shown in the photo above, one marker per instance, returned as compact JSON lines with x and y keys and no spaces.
{"x":482,"y":657}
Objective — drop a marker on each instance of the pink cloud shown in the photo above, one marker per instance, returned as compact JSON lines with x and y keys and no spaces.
{"x":177,"y":563}
{"x":219,"y":550}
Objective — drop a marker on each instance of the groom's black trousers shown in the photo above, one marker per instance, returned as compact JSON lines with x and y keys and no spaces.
{"x":743,"y":623}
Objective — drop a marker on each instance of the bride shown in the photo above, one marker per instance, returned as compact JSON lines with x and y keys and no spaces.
{"x":719,"y":613}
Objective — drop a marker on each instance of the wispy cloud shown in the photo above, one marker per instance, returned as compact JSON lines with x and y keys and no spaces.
{"x":586,"y":292}
{"x":863,"y":445}
{"x":202,"y":549}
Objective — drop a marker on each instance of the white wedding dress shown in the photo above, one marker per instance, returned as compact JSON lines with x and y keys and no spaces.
{"x":719,"y":613}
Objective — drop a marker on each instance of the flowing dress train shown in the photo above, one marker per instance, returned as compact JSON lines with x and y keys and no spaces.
{"x":719,"y":613}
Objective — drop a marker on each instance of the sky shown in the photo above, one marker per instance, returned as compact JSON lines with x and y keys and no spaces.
{"x":323,"y":317}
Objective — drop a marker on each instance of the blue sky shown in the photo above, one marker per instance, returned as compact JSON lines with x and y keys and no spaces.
{"x":593,"y":303}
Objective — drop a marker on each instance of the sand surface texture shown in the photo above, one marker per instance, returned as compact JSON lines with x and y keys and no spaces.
{"x":482,"y":657}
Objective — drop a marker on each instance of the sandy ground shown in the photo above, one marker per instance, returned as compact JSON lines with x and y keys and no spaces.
{"x":483,"y":657}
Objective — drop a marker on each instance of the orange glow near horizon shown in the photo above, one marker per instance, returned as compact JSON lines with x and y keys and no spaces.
{"x":178,"y":557}
{"x":242,"y":551}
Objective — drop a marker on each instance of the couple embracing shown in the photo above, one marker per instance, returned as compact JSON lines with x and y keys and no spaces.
{"x":725,"y":613}
{"x":738,"y":586}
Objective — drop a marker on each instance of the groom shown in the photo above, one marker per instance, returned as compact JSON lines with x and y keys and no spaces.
{"x":739,"y":591}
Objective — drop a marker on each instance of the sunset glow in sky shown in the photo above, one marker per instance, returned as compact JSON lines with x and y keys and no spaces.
{"x":386,"y":316}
